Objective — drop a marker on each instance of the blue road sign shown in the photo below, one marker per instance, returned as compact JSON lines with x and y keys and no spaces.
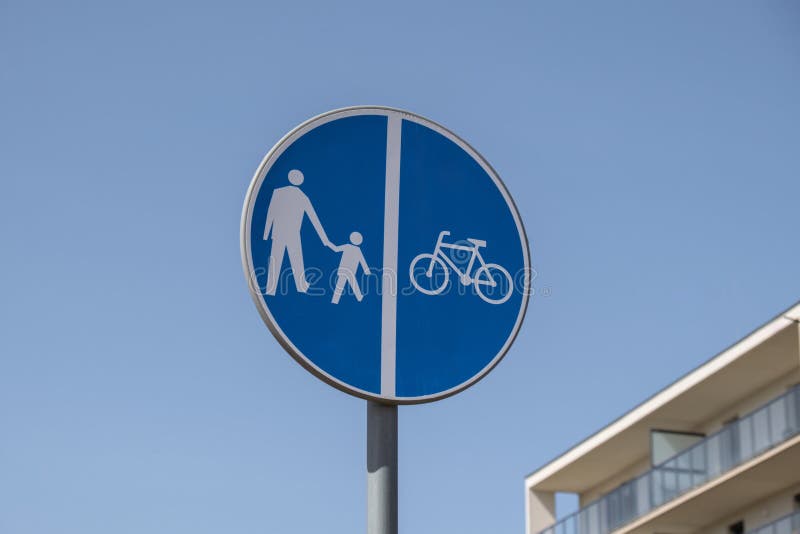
{"x":385,"y":255}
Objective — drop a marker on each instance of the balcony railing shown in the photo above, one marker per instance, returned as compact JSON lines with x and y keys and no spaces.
{"x":737,"y":442}
{"x":789,"y":524}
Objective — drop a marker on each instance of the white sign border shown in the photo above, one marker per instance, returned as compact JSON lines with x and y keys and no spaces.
{"x":255,"y":290}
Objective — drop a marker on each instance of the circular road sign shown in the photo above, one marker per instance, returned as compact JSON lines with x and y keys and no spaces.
{"x":385,"y":255}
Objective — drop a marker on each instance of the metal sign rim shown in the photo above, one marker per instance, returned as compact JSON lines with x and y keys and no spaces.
{"x":263,"y":309}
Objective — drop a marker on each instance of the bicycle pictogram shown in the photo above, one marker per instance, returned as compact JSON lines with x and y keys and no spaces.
{"x":432,"y":277}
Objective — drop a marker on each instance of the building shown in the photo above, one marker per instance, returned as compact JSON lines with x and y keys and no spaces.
{"x":716,"y":452}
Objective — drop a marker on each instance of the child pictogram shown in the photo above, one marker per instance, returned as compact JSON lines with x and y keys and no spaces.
{"x":352,"y":257}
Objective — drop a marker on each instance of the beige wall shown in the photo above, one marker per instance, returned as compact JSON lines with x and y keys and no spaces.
{"x":641,"y":465}
{"x":540,"y":510}
{"x":752,"y":402}
{"x":759,"y":514}
{"x":540,"y":506}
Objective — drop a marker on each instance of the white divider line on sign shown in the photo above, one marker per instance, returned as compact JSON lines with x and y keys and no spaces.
{"x":390,"y":245}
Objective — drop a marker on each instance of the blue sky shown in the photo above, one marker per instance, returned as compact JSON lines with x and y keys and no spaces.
{"x":652,"y":150}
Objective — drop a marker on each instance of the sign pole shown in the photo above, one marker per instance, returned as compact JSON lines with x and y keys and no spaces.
{"x":381,"y":468}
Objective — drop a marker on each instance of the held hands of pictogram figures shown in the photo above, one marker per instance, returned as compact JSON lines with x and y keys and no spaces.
{"x":429,"y":272}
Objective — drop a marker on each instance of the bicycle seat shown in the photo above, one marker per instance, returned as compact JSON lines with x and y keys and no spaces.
{"x":477,"y":242}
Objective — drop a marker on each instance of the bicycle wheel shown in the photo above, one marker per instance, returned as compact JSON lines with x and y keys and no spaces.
{"x":493,"y":283}
{"x":429,"y":278}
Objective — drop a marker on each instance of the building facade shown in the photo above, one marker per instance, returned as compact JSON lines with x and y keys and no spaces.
{"x":716,"y":452}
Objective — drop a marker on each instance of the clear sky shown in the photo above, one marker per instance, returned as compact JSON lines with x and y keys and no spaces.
{"x":653,"y":150}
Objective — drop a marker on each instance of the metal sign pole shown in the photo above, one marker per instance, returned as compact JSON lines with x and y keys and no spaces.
{"x":381,"y":468}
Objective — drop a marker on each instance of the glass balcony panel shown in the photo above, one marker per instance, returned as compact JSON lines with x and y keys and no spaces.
{"x":572,"y":525}
{"x":789,"y":524}
{"x":642,"y":496}
{"x":584,"y":521}
{"x":745,"y":447}
{"x":590,"y":522}
{"x":603,"y":522}
{"x":713,"y":456}
{"x":761,"y":430}
{"x":729,"y":447}
{"x":656,"y":481}
{"x":793,"y":412}
{"x":778,"y":421}
{"x":699,"y":464}
{"x":737,"y":442}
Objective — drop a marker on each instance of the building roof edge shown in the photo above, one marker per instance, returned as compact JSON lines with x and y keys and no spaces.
{"x":733,"y":351}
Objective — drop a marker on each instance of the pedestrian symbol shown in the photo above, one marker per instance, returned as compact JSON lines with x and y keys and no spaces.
{"x":287,"y":208}
{"x":366,"y":259}
{"x":351,"y":259}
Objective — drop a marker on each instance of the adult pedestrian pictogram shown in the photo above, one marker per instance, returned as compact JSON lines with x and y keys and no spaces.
{"x":408,"y":270}
{"x":287,"y":209}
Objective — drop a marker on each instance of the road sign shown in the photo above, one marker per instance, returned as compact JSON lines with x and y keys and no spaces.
{"x":385,"y":255}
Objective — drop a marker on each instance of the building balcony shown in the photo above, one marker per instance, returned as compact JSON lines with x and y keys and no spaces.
{"x":718,"y":461}
{"x":789,"y":524}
